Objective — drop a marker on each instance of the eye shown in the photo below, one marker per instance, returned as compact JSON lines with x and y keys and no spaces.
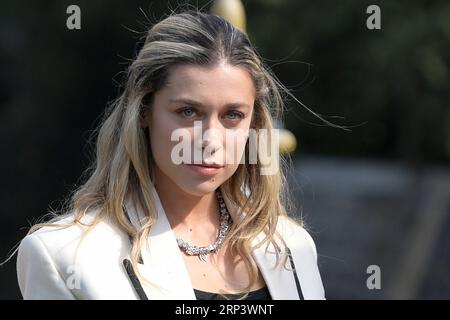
{"x":234,"y":115}
{"x":186,"y":112}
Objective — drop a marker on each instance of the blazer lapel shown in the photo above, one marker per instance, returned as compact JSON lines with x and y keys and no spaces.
{"x":163,"y":264}
{"x":280,"y":281}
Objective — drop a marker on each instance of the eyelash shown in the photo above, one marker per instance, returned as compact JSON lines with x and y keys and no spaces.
{"x":181,"y":112}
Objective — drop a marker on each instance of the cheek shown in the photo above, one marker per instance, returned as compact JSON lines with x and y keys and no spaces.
{"x":235,"y":148}
{"x":160,"y":140}
{"x":163,"y":148}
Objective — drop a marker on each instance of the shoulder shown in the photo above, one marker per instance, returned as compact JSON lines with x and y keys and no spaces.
{"x":47,"y":257}
{"x":63,"y":234}
{"x":296,"y":236}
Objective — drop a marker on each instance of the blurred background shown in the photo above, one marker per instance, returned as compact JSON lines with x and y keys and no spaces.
{"x":376,"y":195}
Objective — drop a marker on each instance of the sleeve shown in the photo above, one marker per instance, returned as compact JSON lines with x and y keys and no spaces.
{"x":296,"y":232}
{"x":305,"y":256}
{"x":320,"y":294}
{"x":311,"y":243}
{"x":37,"y":274}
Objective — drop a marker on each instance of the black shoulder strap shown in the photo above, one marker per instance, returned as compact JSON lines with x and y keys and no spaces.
{"x":134,"y":279}
{"x":297,"y":282}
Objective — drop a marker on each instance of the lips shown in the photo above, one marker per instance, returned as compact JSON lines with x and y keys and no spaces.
{"x":206,"y":165}
{"x":206,"y":169}
{"x":211,"y":165}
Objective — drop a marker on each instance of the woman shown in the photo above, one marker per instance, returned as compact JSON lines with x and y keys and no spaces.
{"x":152,"y":222}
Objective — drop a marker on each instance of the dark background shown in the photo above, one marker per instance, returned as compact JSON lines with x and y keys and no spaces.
{"x":378,"y":195}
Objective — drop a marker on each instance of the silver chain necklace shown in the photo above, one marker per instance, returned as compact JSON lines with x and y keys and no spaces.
{"x":203,"y":252}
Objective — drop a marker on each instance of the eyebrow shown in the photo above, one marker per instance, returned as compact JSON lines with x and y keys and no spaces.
{"x":199,"y":104}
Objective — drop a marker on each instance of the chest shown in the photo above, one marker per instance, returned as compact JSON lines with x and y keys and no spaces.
{"x":221,"y":271}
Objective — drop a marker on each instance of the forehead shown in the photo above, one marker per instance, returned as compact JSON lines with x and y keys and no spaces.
{"x":219,"y":82}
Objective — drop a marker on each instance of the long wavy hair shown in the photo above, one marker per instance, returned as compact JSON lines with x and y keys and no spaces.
{"x":123,"y":164}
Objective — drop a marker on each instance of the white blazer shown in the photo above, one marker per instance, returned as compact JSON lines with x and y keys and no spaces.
{"x":48,"y":268}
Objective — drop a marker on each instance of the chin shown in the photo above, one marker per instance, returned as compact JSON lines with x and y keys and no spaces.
{"x":201,"y":189}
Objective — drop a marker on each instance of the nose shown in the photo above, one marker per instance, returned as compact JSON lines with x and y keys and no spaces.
{"x":213,"y":134}
{"x":213,"y":145}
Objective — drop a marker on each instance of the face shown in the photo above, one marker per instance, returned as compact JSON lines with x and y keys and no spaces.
{"x":211,"y":110}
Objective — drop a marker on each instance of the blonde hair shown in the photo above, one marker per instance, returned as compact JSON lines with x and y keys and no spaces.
{"x":123,"y":162}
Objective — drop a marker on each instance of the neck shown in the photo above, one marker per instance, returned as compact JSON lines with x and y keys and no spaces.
{"x":188,"y":211}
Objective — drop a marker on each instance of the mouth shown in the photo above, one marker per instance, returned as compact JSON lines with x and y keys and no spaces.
{"x":211,"y":165}
{"x":206,"y":169}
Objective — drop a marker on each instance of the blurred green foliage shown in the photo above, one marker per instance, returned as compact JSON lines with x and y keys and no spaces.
{"x":394,"y":81}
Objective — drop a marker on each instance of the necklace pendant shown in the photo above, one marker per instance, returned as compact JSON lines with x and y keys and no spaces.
{"x":203,"y":257}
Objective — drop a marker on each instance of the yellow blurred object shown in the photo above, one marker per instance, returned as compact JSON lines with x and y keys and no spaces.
{"x":288,"y":142}
{"x":234,"y":12}
{"x":231,"y":10}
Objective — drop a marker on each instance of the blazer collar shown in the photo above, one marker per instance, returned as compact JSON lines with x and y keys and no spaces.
{"x":163,"y":263}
